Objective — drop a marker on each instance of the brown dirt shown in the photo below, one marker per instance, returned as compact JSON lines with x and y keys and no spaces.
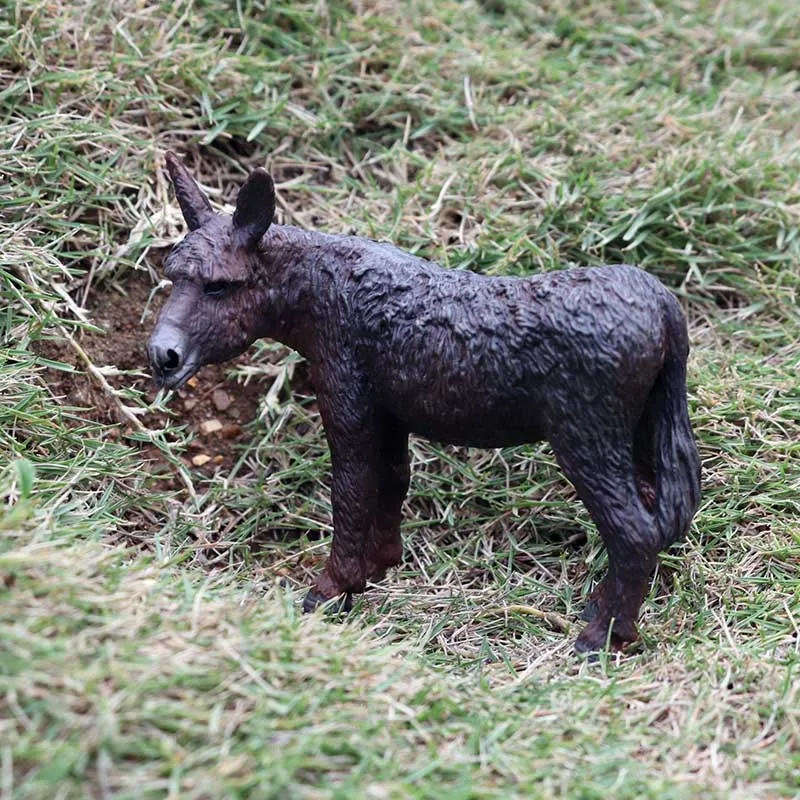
{"x":215,"y":408}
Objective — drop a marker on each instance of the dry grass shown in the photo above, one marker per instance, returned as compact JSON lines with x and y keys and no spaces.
{"x":146,"y":646}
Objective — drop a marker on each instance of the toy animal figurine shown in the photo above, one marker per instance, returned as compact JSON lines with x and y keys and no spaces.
{"x":592,"y":360}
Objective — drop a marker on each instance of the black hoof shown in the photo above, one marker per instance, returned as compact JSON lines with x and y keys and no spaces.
{"x":592,"y":641}
{"x":335,"y":605}
{"x":588,"y":649}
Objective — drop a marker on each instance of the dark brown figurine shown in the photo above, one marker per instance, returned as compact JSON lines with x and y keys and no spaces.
{"x":592,"y":360}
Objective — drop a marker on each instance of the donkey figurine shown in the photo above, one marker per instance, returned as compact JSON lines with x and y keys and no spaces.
{"x":592,"y":360}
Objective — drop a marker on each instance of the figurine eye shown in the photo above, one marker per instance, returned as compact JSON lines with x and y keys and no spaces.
{"x":216,"y":288}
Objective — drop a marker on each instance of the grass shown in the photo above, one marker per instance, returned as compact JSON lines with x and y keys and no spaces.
{"x":150,"y":641}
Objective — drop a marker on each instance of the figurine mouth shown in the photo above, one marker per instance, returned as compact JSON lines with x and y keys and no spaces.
{"x":175,"y":380}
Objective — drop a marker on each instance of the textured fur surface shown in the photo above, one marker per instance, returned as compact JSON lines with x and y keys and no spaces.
{"x":592,"y":360}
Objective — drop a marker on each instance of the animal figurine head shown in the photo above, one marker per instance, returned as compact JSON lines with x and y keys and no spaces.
{"x":214,"y":311}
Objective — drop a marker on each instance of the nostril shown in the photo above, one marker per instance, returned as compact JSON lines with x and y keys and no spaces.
{"x":172,"y":361}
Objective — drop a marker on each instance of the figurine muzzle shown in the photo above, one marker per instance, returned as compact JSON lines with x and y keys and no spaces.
{"x":170,"y":361}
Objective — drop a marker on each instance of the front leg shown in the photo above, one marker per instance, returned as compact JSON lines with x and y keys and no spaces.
{"x":353,"y":439}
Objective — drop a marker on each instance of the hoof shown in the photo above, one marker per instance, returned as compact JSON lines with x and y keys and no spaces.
{"x":591,"y":651}
{"x":594,"y":639}
{"x":585,"y":647}
{"x":332,"y":605}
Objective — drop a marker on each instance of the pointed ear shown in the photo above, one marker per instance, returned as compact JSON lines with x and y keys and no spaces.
{"x":194,"y":204}
{"x":255,"y":207}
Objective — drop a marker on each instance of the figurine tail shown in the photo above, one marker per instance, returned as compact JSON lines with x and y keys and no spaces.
{"x":677,"y":462}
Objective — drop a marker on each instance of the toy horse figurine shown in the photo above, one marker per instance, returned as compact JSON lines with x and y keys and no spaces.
{"x":592,"y":360}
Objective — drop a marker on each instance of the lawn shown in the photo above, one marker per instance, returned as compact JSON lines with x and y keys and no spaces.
{"x":154,"y":550}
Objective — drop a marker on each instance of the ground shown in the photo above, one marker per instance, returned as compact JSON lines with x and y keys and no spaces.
{"x":214,"y":409}
{"x":154,"y":550}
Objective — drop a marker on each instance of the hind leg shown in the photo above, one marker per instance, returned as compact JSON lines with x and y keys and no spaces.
{"x":644,"y":463}
{"x":602,"y":469}
{"x":385,"y":545}
{"x":616,"y":605}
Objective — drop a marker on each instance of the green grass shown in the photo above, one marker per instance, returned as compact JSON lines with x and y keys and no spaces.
{"x":150,"y":640}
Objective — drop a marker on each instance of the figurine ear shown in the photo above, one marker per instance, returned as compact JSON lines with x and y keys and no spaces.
{"x":255,"y":207}
{"x":194,"y":204}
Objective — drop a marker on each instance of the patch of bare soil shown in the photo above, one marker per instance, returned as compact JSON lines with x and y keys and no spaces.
{"x":216,"y":409}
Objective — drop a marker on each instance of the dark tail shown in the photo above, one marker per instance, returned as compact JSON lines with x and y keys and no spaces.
{"x":677,"y":462}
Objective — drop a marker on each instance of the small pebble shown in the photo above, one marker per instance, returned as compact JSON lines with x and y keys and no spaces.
{"x":221,"y":399}
{"x":200,"y":459}
{"x":211,"y":426}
